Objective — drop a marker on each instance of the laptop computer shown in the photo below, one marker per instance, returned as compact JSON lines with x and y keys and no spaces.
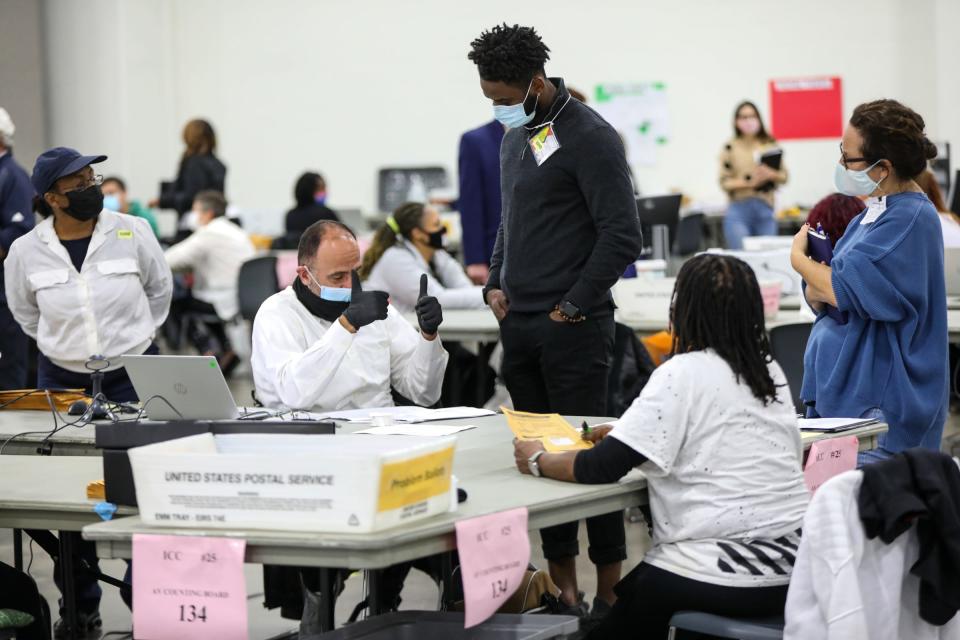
{"x":951,"y":268}
{"x":192,"y":386}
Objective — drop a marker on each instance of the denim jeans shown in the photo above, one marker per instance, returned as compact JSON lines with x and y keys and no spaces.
{"x":880,"y":453}
{"x":749,"y":217}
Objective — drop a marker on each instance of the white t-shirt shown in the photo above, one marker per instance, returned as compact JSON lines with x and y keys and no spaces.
{"x":951,"y":231}
{"x":723,"y":471}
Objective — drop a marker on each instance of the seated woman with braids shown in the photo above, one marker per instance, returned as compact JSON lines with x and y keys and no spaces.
{"x":715,"y":433}
{"x":411,"y":243}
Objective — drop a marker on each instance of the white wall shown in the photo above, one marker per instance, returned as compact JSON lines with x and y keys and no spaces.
{"x":348,"y":86}
{"x":21,"y":76}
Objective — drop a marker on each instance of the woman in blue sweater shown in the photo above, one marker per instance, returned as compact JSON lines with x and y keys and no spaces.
{"x":887,"y":359}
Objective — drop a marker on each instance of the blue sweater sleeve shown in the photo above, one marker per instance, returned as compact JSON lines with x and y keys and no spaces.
{"x":471,"y":203}
{"x":877,"y":278}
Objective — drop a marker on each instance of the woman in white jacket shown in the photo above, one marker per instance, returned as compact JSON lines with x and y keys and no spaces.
{"x":411,"y":243}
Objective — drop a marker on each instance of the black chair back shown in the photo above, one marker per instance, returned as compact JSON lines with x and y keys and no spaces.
{"x":257,"y":282}
{"x":689,"y":235}
{"x":788,"y":343}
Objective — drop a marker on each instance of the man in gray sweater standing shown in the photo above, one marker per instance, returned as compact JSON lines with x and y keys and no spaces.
{"x":569,"y":229}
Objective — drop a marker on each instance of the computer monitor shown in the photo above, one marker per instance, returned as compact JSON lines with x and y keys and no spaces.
{"x":953,"y":201}
{"x":396,"y":185}
{"x":659,"y":210}
{"x":354,"y":219}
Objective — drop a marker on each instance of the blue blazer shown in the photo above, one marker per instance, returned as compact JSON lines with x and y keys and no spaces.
{"x":16,"y":206}
{"x":479,"y":200}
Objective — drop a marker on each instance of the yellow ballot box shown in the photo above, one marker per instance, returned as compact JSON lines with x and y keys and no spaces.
{"x":551,"y":429}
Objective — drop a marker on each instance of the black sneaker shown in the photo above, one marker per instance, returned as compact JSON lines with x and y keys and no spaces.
{"x":600,"y":609}
{"x":555,"y":606}
{"x":598,"y":612}
{"x":89,"y":623}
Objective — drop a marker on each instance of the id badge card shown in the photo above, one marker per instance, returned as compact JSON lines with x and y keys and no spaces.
{"x":544,"y":144}
{"x":875,"y":208}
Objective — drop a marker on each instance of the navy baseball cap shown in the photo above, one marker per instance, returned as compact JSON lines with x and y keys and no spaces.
{"x":55,"y":163}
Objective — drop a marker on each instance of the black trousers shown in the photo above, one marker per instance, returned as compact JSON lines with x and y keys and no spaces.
{"x":559,"y":367}
{"x":200,"y":332}
{"x":648,"y":597}
{"x":13,"y":349}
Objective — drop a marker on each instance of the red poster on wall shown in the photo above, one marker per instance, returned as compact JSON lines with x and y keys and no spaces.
{"x":805,"y":108}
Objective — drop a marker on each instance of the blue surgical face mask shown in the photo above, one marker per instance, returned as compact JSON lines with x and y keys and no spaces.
{"x":855,"y":183}
{"x":111,"y":202}
{"x":333,"y":294}
{"x":514,"y":115}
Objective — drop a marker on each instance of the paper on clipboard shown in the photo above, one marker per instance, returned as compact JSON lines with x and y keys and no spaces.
{"x":551,"y":429}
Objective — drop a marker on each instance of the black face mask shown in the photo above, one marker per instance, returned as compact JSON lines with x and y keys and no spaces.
{"x":436,"y":238}
{"x":324,"y":309}
{"x":85,"y":204}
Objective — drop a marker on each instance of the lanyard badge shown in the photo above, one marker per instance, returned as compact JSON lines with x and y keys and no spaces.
{"x":875,"y":208}
{"x":544,"y":144}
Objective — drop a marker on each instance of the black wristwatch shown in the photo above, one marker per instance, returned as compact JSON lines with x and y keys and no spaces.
{"x":569,"y":311}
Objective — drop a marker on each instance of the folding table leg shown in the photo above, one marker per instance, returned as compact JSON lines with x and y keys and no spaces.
{"x":328,"y":599}
{"x":18,"y":549}
{"x":69,"y":586}
{"x":374,"y":589}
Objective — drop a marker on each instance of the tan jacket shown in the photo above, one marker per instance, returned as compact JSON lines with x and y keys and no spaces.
{"x":738,"y":160}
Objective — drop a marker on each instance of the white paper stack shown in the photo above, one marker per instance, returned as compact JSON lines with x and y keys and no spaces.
{"x":832,"y":425}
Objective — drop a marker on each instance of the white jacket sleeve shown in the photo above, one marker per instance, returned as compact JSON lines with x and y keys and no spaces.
{"x":824,"y":599}
{"x":298,"y":376}
{"x":455,"y":290}
{"x":417,"y":365}
{"x":20,"y":297}
{"x":154,"y":272}
{"x":398,"y":271}
{"x":185,"y":254}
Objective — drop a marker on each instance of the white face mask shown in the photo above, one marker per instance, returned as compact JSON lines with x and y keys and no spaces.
{"x":855,"y":183}
{"x":191,"y":221}
{"x":749,"y":126}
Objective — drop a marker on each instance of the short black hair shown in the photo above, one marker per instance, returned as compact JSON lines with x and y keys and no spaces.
{"x":120,"y":183}
{"x":212,"y":200}
{"x":314,"y":234}
{"x":509,"y":54}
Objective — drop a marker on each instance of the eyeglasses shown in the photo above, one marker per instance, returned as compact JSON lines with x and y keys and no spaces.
{"x":94,"y":180}
{"x":846,"y":161}
{"x":97,"y":180}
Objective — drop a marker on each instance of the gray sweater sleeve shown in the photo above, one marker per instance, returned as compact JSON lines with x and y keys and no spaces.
{"x":604,"y":180}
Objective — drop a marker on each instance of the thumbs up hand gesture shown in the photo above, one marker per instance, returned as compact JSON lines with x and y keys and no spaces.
{"x":429,"y":313}
{"x":365,"y":306}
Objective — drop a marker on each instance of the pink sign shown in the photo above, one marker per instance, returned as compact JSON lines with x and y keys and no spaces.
{"x":494,"y":554}
{"x":188,"y":588}
{"x":286,"y":268}
{"x":828,"y":458}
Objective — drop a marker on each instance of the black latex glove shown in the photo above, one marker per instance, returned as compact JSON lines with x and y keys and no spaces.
{"x":429,"y":313}
{"x":365,"y":306}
